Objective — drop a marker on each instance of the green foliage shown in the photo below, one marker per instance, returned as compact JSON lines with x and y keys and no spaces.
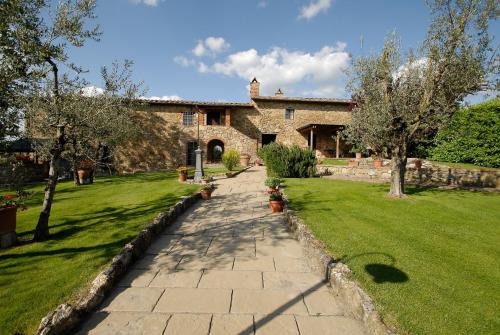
{"x":231,"y":159}
{"x":473,"y":136}
{"x":276,"y":196}
{"x":282,"y":161}
{"x":273,"y":182}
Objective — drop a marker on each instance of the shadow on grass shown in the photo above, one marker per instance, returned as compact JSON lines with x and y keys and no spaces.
{"x":381,"y":273}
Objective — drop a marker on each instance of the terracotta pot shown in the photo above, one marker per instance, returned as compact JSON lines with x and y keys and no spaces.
{"x":272,"y":190}
{"x":276,"y":206}
{"x":183,"y":176}
{"x":8,"y":220}
{"x":377,"y":163}
{"x":353,"y":163}
{"x":359,"y":155}
{"x":206,"y":195}
{"x":418,"y":164}
{"x":86,"y":176}
{"x":244,"y":159}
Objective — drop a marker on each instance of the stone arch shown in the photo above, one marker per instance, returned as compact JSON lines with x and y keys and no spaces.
{"x":215,"y":149}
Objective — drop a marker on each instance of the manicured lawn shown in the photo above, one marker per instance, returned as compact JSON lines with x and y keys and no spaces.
{"x":332,"y":161}
{"x":89,"y":225}
{"x":431,"y":261}
{"x":466,"y":166}
{"x":215,"y":170}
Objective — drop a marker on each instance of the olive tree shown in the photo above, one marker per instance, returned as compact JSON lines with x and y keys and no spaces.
{"x":401,"y":97}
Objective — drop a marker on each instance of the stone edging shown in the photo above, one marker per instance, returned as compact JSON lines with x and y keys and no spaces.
{"x":234,"y":174}
{"x":68,"y":315}
{"x":358,"y":302}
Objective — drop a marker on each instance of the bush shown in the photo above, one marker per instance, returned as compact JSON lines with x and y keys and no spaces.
{"x":473,"y":136}
{"x":231,"y":159}
{"x":288,"y":162}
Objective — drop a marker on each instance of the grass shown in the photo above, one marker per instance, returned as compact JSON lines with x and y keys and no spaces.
{"x":333,"y":161}
{"x":466,"y":166}
{"x":89,"y":225}
{"x":430,"y":261}
{"x":216,"y":170}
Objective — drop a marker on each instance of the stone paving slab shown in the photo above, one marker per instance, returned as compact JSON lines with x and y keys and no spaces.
{"x":133,"y":299}
{"x":125,"y":323}
{"x":268,"y":302}
{"x":188,"y":324}
{"x":194,"y":300}
{"x":226,"y":266}
{"x":231,"y":279}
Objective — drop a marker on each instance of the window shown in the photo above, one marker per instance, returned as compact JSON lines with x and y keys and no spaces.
{"x":187,"y":118}
{"x":215,"y":117}
{"x":289,"y":113}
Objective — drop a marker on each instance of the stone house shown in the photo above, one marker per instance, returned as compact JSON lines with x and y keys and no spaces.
{"x":173,"y":127}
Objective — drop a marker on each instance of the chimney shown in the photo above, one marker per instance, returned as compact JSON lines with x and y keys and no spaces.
{"x":254,"y":88}
{"x":279,"y":93}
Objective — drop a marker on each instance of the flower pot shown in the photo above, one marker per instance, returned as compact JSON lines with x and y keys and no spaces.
{"x":183,"y":177}
{"x":272,"y":190}
{"x":86,"y":176}
{"x":377,"y":163}
{"x":244,"y":159}
{"x":8,"y":220}
{"x":418,"y":164}
{"x":353,"y":163}
{"x":206,"y":195}
{"x":359,"y":155}
{"x":276,"y":206}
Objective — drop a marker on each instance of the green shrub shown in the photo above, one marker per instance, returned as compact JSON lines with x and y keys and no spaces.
{"x":473,"y":136}
{"x":231,"y":159}
{"x":288,"y":162}
{"x":273,"y":182}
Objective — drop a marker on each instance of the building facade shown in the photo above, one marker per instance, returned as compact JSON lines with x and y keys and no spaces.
{"x":172,"y":129}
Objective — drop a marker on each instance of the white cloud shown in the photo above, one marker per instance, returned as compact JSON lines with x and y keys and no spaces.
{"x":183,"y":61}
{"x":92,"y":91}
{"x":152,"y":3}
{"x":262,"y":4}
{"x":314,"y":8}
{"x":164,"y":97}
{"x":211,"y":45}
{"x":322,"y":72}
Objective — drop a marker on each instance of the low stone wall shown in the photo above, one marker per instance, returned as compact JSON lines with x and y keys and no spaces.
{"x":429,"y":174}
{"x":67,"y":316}
{"x":358,"y":303}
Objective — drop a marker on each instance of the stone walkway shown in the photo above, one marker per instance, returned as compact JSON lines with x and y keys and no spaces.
{"x":227,"y":266}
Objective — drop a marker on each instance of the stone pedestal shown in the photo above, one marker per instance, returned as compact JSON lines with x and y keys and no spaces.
{"x":198,"y":173}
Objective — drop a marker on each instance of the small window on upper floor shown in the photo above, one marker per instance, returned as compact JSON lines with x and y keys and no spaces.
{"x":187,"y":118}
{"x":289,"y":113}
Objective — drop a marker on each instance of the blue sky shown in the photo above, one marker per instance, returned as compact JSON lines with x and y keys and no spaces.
{"x":209,"y":49}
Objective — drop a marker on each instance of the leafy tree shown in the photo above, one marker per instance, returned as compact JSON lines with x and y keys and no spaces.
{"x":230,"y":159}
{"x":401,"y":98}
{"x":473,"y":136}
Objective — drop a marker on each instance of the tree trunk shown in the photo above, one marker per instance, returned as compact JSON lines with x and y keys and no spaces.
{"x":76,"y":179}
{"x":42,"y":227}
{"x":398,"y":169}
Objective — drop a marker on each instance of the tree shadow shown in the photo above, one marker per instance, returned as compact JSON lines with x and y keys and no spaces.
{"x":383,"y":273}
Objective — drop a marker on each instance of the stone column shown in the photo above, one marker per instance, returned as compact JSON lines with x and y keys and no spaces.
{"x":337,"y":149}
{"x":198,"y":173}
{"x":311,"y":138}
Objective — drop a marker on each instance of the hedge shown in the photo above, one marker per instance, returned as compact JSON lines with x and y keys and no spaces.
{"x":288,"y":162}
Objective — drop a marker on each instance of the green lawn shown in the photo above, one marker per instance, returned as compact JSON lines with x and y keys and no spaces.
{"x":333,"y":161}
{"x":431,"y":261}
{"x":89,"y":225}
{"x":466,"y":166}
{"x":215,"y":170}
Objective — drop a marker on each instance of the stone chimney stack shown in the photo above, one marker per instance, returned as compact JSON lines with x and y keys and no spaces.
{"x":279,"y":93}
{"x":254,"y":88}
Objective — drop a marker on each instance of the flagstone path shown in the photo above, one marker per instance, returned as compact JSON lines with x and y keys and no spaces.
{"x":227,"y":266}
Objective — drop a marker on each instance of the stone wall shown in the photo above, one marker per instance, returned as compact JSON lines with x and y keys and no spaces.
{"x":438,"y":175}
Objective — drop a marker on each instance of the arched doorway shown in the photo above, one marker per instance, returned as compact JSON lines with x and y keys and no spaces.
{"x":215,"y":149}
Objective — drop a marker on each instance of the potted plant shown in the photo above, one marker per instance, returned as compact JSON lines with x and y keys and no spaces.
{"x":86,"y":172}
{"x":273,"y":184}
{"x":206,"y":191}
{"x":183,"y":173}
{"x":207,"y":179}
{"x":244,"y":159}
{"x":276,"y":202}
{"x":377,"y":162}
{"x":358,"y":151}
{"x":8,"y":209}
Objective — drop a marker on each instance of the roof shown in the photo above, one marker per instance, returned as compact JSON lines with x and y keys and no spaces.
{"x":299,"y":99}
{"x":318,"y":125}
{"x":24,"y":144}
{"x":197,"y":103}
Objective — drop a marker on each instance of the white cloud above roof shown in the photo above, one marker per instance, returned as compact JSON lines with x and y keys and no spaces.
{"x":152,"y":3}
{"x":210,"y":46}
{"x":314,"y":8}
{"x":164,"y":97}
